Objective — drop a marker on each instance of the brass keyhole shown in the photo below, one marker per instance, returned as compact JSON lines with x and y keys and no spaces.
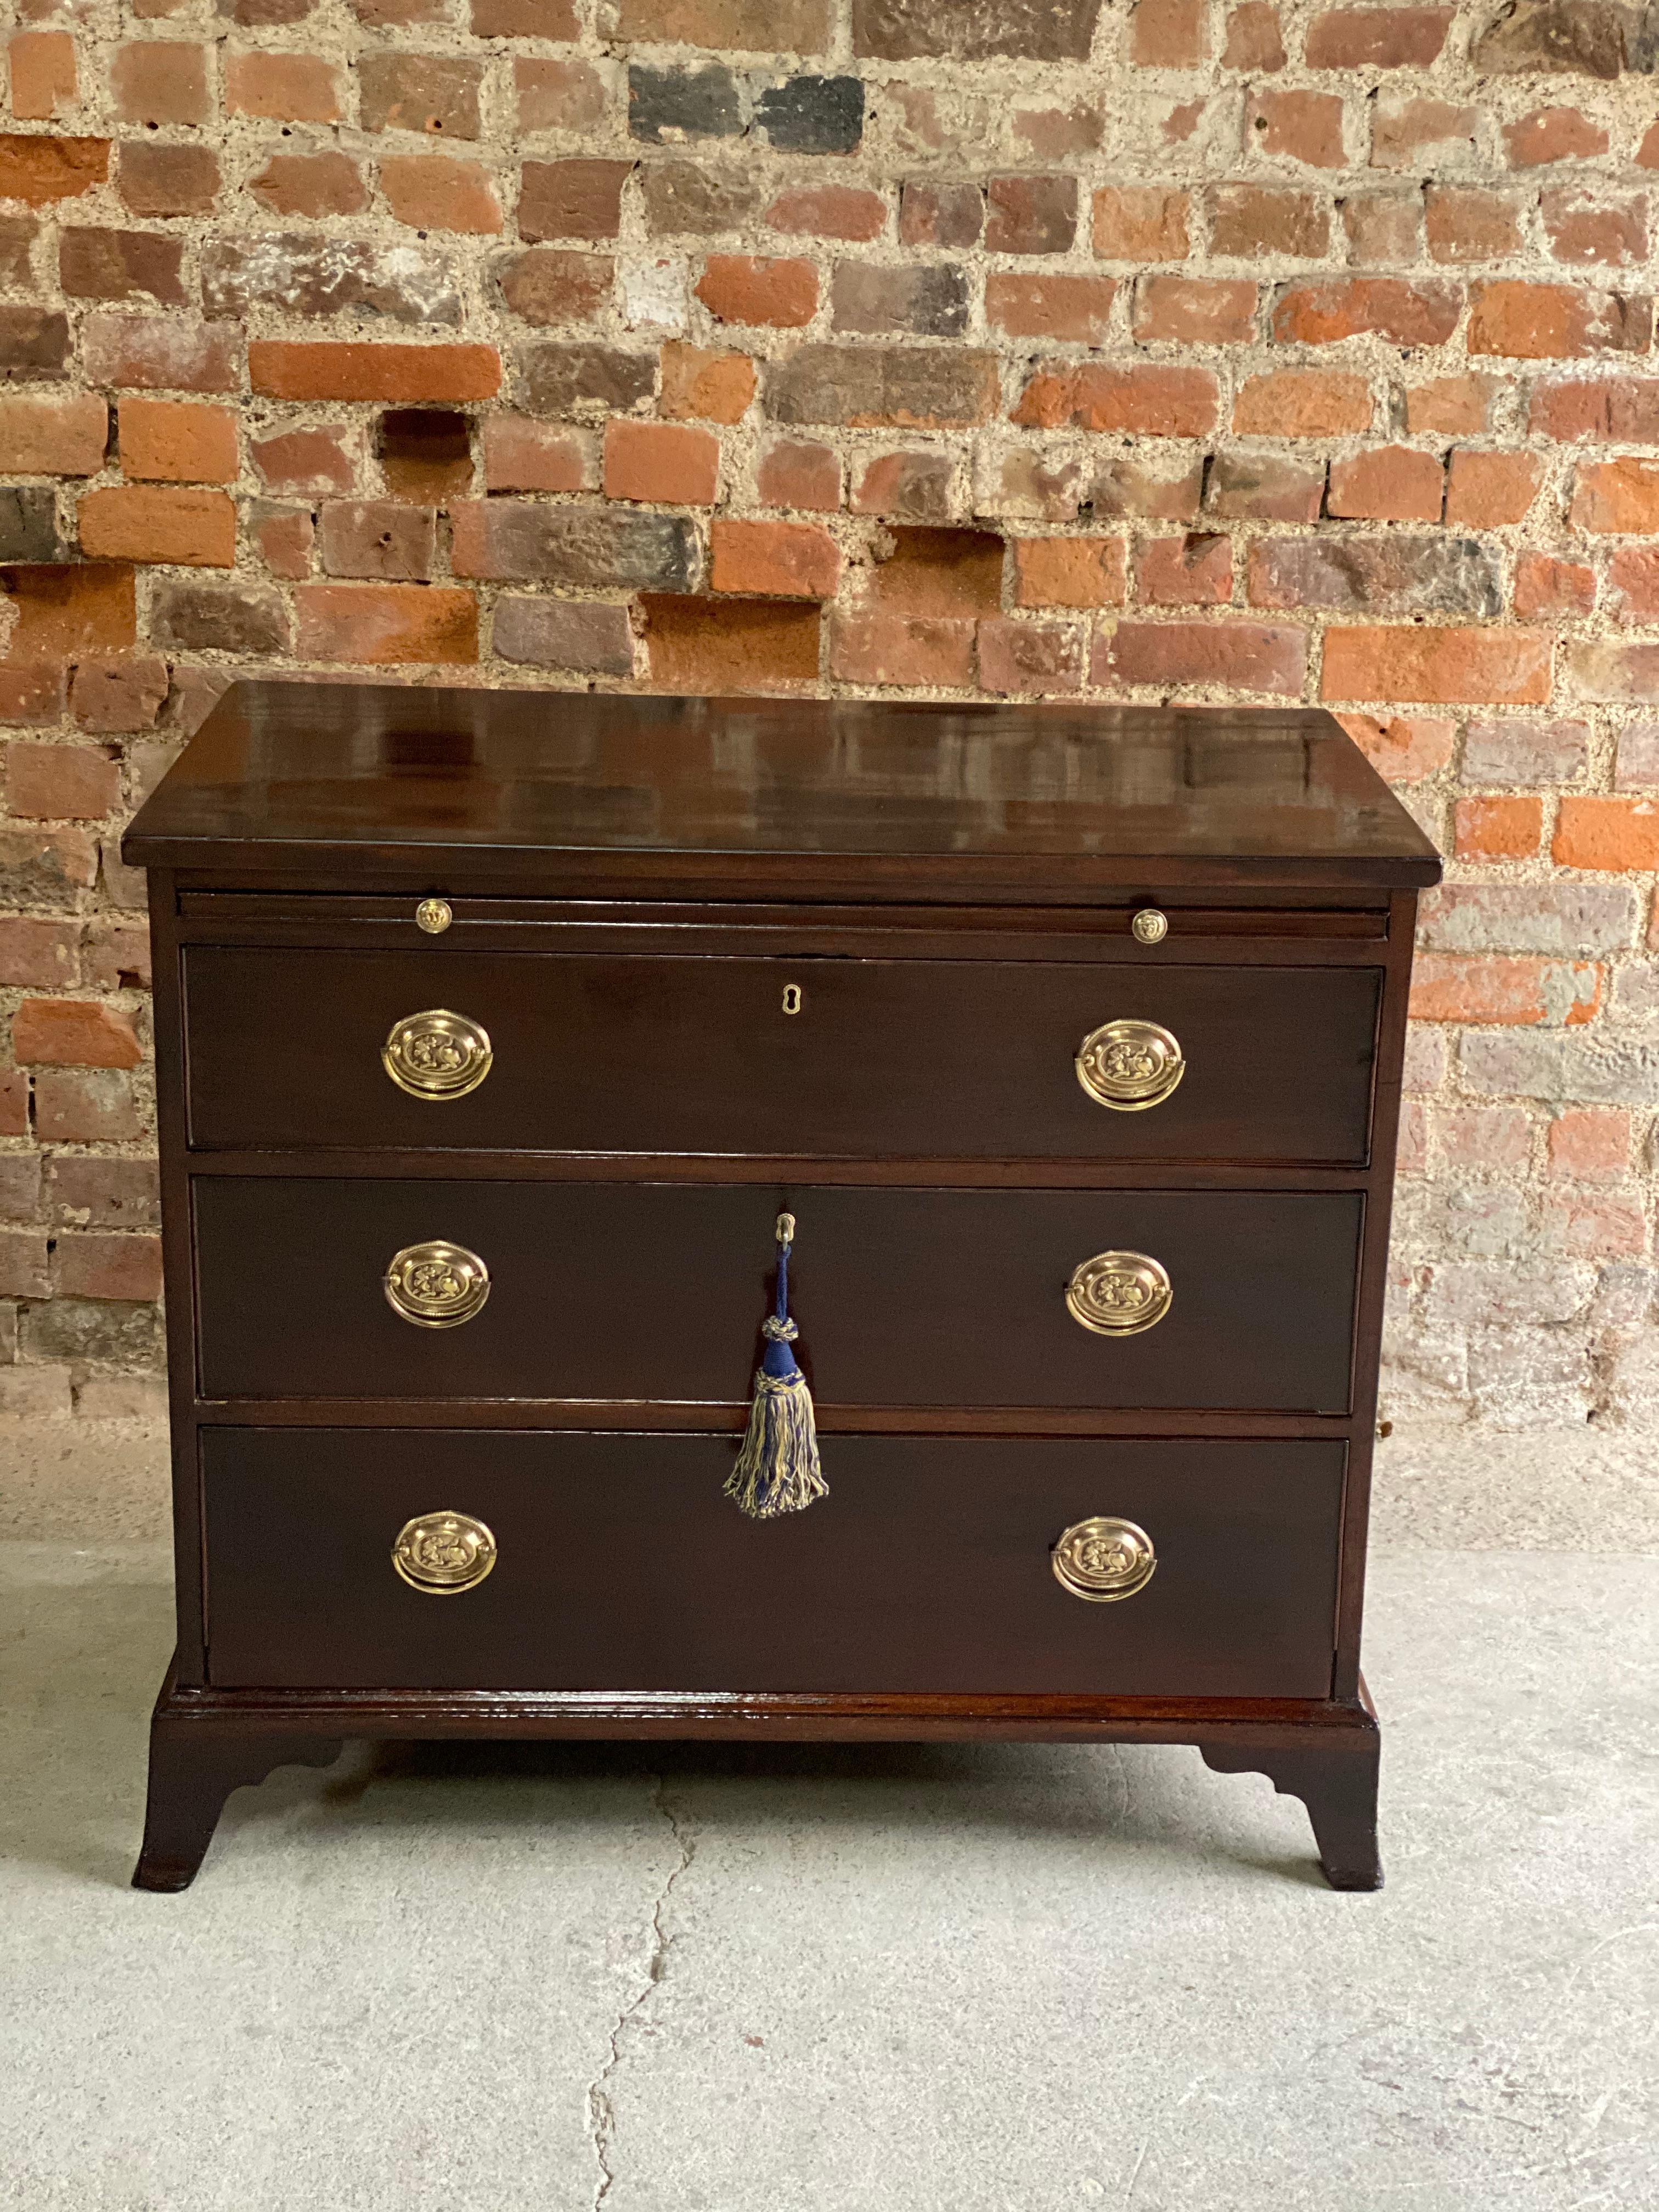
{"x":792,"y":998}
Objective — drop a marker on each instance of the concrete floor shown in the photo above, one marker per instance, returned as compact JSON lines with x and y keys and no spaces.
{"x":708,"y":1980}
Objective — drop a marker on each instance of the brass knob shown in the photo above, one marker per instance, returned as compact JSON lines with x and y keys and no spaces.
{"x":1104,"y":1559}
{"x":1119,"y":1293}
{"x":1130,"y":1065}
{"x":437,"y":1054}
{"x":433,"y":915}
{"x":437,"y":1285}
{"x":1149,"y":927}
{"x":440,"y":1555}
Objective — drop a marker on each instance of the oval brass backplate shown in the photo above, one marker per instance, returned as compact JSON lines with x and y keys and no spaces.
{"x":1119,"y":1293}
{"x":440,"y":1555}
{"x":437,"y":1054}
{"x":1104,"y":1559}
{"x":1130,"y":1065}
{"x":436,"y":1285}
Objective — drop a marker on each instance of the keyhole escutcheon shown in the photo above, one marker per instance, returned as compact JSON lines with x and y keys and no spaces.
{"x":792,"y":998}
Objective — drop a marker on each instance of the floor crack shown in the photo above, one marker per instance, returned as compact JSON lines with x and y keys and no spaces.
{"x":601,"y":2112}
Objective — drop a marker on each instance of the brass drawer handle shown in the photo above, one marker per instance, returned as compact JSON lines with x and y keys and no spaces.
{"x":433,"y":915}
{"x":440,"y":1555}
{"x":1119,"y":1293}
{"x":437,"y":1054}
{"x":1149,"y":927}
{"x":436,"y":1285}
{"x":1104,"y":1559}
{"x":1130,"y":1065}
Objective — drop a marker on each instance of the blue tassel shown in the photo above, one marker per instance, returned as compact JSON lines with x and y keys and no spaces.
{"x":777,"y":1470}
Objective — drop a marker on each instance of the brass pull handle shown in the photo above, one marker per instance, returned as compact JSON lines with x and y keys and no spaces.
{"x":1149,"y":927}
{"x":437,"y":1054}
{"x":1104,"y":1559}
{"x":440,"y":1555}
{"x":433,"y":915}
{"x":1119,"y":1293}
{"x":436,"y":1285}
{"x":1130,"y":1065}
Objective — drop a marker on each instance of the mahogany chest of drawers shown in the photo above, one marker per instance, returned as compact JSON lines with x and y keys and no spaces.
{"x":493,"y":1034}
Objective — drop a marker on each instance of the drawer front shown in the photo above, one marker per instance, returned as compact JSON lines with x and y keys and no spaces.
{"x":904,"y":1297}
{"x":895,"y":1059}
{"x":619,"y":1566}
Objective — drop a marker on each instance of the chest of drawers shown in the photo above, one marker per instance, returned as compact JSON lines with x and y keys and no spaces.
{"x":493,"y":1034}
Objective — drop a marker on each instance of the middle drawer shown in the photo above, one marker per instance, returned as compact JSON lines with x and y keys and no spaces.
{"x":629,"y":1292}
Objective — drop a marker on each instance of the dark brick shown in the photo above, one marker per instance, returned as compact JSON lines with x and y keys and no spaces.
{"x":259,"y":14}
{"x":586,"y":380}
{"x":1383,"y":573}
{"x":219,"y":618}
{"x":873,"y":387}
{"x":1126,"y":485}
{"x":167,"y":180}
{"x":692,"y":103}
{"x":596,"y":548}
{"x":548,"y":286}
{"x":974,"y":30}
{"x":1030,"y":214}
{"x":96,"y":263}
{"x":44,"y":867}
{"x":305,"y":275}
{"x":98,"y":1193}
{"x":813,"y":114}
{"x":28,"y":523}
{"x":1563,"y":38}
{"x":17,"y":234}
{"x":587,"y":637}
{"x":683,"y":199}
{"x":932,"y":302}
{"x":932,"y":214}
{"x":1259,"y":487}
{"x":34,"y":344}
{"x":112,"y":1333}
{"x":572,"y":199}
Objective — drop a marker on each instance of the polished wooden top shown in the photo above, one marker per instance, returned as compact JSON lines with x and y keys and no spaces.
{"x":566,"y":790}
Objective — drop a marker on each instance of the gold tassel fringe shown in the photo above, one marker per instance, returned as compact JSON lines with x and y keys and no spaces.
{"x":778,"y":1470}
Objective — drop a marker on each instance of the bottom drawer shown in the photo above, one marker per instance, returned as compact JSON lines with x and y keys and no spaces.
{"x":619,"y":1566}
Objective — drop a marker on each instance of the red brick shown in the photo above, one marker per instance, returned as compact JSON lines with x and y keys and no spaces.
{"x":1595,"y":1228}
{"x":1054,"y":134}
{"x":1598,"y":669}
{"x":1384,"y":228}
{"x":14,"y":1103}
{"x":1303,"y":402}
{"x":1297,"y":126}
{"x":39,"y":956}
{"x":1486,"y":1137}
{"x":1615,"y":835}
{"x":170,"y":440}
{"x":736,"y":288}
{"x":385,"y":624}
{"x":157,"y":353}
{"x":63,"y":612}
{"x":1488,"y":491}
{"x":387,"y":540}
{"x":313,"y":460}
{"x":73,"y":1033}
{"x":933,"y":651}
{"x":1195,"y":570}
{"x":168,"y":180}
{"x":431,"y":191}
{"x":1325,"y":312}
{"x":938,"y":572}
{"x":1546,"y":587}
{"x":1154,"y":401}
{"x":90,"y":1264}
{"x":711,"y":647}
{"x":913,"y":487}
{"x":1590,"y":1144}
{"x":1633,"y":584}
{"x":1436,"y":664}
{"x":1194,"y":311}
{"x":1377,"y":38}
{"x":93,"y":1106}
{"x":282,"y":87}
{"x":1510,"y":991}
{"x":1030,"y":214}
{"x":1417,"y":134}
{"x":160,"y":81}
{"x":31,"y":695}
{"x":1063,"y":307}
{"x":931,"y":213}
{"x":524,"y":19}
{"x":1237,"y":655}
{"x":119,"y":694}
{"x":775,"y":560}
{"x":1453,"y":406}
{"x":40,"y":171}
{"x":1625,"y":408}
{"x":572,"y":199}
{"x":1069,"y":572}
{"x":1390,"y":483}
{"x":1406,"y":748}
{"x":549,"y":284}
{"x":1252,"y":486}
{"x":1620,"y":495}
{"x":301,"y":370}
{"x":94,"y":263}
{"x":1250,"y":220}
{"x":1254,"y":42}
{"x":661,"y":461}
{"x":795,"y":473}
{"x":327,"y":183}
{"x":61,"y":783}
{"x":566,"y":94}
{"x":1546,"y":322}
{"x":1141,"y":222}
{"x":50,"y":436}
{"x":285,"y":538}
{"x":520,"y":455}
{"x":1464,"y":225}
{"x":1167,"y":34}
{"x":1498,"y":829}
{"x":829,"y":211}
{"x":705,"y":386}
{"x":1553,"y":133}
{"x":799,"y":26}
{"x":1611,"y":234}
{"x":42,"y":73}
{"x":1030,"y":657}
{"x":133,"y":522}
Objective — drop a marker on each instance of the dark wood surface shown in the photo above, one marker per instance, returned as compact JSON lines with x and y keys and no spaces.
{"x":613,"y":1053}
{"x":334,"y":781}
{"x":622,"y":1566}
{"x":947,"y":1298}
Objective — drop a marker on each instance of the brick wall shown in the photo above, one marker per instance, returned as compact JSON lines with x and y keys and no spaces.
{"x":989,"y":346}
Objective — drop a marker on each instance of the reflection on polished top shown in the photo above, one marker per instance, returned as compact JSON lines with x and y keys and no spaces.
{"x":292,"y":776}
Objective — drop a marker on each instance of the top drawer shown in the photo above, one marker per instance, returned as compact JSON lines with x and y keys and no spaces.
{"x":807,"y":1057}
